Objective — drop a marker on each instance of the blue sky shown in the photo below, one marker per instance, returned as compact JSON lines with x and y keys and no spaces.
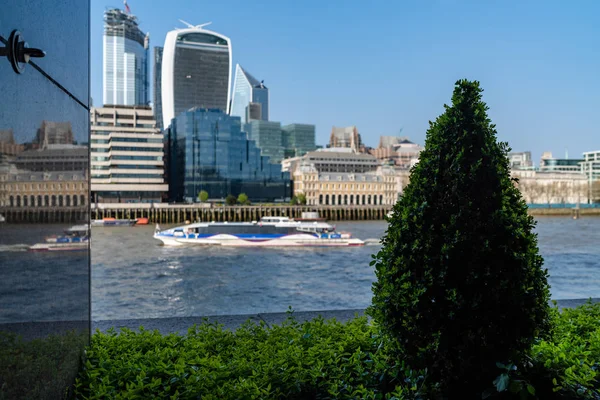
{"x":387,"y":65}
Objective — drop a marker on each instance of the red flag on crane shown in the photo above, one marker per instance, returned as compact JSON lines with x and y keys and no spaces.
{"x":127,"y":7}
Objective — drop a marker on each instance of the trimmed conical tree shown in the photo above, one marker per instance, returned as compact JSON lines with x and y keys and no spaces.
{"x":460,"y":284}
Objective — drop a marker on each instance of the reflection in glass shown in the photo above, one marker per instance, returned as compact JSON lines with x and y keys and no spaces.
{"x":45,"y":275}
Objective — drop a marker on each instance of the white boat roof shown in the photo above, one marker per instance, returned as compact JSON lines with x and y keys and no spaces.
{"x":277,"y":221}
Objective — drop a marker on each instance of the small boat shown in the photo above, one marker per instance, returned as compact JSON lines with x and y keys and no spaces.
{"x":141,"y":221}
{"x":75,"y":238}
{"x":113,"y":222}
{"x":268,"y":232}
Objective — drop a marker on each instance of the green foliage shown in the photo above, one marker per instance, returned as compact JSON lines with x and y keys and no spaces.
{"x":302,"y":199}
{"x":203,"y":195}
{"x":243,"y":199}
{"x":312,"y":360}
{"x":565,"y":365}
{"x":460,"y":281}
{"x":40,"y":368}
{"x":294,"y":201}
{"x":230,"y":200}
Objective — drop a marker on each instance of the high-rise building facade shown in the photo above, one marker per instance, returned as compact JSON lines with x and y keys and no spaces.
{"x":125,"y":64}
{"x":247,"y":91}
{"x":127,"y":151}
{"x":207,"y":150}
{"x":157,"y":98}
{"x":195,"y":72}
{"x":268,"y":137}
{"x":298,"y":139}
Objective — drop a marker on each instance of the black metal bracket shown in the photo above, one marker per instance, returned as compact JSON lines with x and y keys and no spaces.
{"x":18,"y":51}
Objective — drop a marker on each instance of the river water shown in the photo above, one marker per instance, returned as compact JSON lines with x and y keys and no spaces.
{"x":134,"y":276}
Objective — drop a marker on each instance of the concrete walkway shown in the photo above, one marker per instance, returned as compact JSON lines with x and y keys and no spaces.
{"x":181,"y":324}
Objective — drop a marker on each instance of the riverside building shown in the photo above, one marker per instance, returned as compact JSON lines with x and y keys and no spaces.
{"x":125,"y":64}
{"x":590,"y":167}
{"x":343,"y":178}
{"x":127,"y":155}
{"x":195,"y":71}
{"x":207,"y":150}
{"x":250,"y":97}
{"x":551,"y":164}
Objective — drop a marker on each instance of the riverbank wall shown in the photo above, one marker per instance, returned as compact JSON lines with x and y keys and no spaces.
{"x":163,"y":213}
{"x":182,"y":324}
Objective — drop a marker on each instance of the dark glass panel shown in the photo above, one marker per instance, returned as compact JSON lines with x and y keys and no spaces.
{"x":44,"y":296}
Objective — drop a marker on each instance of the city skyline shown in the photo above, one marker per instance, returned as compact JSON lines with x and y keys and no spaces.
{"x":533,"y":60}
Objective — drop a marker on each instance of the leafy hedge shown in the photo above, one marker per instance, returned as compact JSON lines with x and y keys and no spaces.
{"x":319,"y":360}
{"x":40,"y":368}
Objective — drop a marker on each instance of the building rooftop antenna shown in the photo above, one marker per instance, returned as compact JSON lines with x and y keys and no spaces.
{"x":194,"y":26}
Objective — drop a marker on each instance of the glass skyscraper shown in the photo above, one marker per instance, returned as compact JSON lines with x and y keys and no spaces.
{"x":207,"y":150}
{"x":268,"y":137}
{"x":298,"y":139}
{"x":247,"y":90}
{"x":196,"y":71}
{"x":157,"y":100}
{"x":125,"y":66}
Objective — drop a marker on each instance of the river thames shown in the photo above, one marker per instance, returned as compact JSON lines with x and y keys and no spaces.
{"x":134,"y":276}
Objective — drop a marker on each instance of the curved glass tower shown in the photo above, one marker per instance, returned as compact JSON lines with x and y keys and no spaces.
{"x":196,"y":71}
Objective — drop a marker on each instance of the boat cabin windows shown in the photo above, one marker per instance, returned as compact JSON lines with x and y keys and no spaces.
{"x":275,"y":220}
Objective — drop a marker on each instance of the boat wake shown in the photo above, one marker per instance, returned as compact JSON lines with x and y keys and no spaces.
{"x":13,"y":248}
{"x":372,"y":242}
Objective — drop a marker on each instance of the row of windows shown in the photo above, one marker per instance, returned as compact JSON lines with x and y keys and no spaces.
{"x":350,"y":199}
{"x":128,"y":139}
{"x":120,"y":148}
{"x":125,"y":166}
{"x":47,"y":201}
{"x":40,"y":186}
{"x":107,"y":175}
{"x":136,"y":158}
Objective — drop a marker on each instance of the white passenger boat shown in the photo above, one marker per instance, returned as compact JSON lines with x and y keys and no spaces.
{"x":75,"y":238}
{"x":270,"y":231}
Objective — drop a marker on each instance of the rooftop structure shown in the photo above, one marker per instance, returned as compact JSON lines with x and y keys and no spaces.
{"x":346,"y":137}
{"x":520,"y":160}
{"x":268,"y":137}
{"x":54,"y":133}
{"x":399,"y":151}
{"x":328,"y":161}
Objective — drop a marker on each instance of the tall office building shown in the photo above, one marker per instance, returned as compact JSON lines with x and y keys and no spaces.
{"x":157,"y":99}
{"x":248,"y":92}
{"x":208,"y":151}
{"x":196,"y":71}
{"x":268,"y":137}
{"x":298,"y":139}
{"x":127,"y":151}
{"x":125,"y":66}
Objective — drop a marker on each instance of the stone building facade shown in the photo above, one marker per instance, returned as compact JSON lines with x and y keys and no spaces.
{"x":539,"y":187}
{"x":28,"y":189}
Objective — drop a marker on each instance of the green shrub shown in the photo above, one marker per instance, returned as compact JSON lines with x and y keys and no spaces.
{"x":243,"y":199}
{"x":312,"y":360}
{"x":203,"y":195}
{"x":41,"y":368}
{"x":460,"y":284}
{"x":230,"y":200}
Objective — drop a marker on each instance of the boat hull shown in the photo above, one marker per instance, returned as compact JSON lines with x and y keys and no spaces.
{"x":47,"y":247}
{"x":117,"y":222}
{"x":299,"y":240}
